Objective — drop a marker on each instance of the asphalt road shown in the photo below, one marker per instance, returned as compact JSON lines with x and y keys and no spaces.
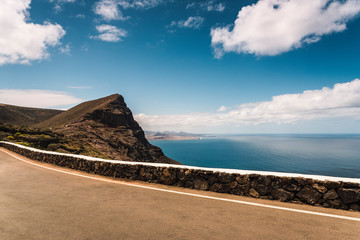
{"x":39,"y":203}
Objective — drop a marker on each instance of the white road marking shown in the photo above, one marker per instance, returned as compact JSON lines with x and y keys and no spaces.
{"x":190,"y":194}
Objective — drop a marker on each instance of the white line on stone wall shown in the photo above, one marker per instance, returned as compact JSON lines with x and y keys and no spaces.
{"x":190,"y":194}
{"x":232,"y":171}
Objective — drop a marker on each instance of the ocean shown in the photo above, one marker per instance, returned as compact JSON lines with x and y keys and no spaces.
{"x":329,"y":155}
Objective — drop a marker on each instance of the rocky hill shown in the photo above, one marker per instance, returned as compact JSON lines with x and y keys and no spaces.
{"x":101,"y":128}
{"x":107,"y":125}
{"x":24,"y":116}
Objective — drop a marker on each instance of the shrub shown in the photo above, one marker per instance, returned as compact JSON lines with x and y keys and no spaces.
{"x":45,"y":136}
{"x":10,"y":138}
{"x":53,"y":147}
{"x":24,"y":143}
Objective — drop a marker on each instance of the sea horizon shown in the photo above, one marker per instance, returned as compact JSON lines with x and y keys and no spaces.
{"x":318,"y":154}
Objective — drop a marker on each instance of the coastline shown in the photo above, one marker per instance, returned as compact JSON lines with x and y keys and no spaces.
{"x":325,"y":191}
{"x":171,"y":138}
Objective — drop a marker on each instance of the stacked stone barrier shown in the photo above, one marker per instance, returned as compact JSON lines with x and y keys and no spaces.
{"x":330,"y":192}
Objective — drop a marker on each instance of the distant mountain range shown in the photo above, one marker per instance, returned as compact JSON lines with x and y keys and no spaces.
{"x":102,"y":128}
{"x":169,"y":135}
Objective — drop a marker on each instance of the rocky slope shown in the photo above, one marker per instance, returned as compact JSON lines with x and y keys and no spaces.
{"x":24,"y":116}
{"x":107,"y":125}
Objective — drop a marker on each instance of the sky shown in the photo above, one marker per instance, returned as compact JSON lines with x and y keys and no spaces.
{"x":207,"y":66}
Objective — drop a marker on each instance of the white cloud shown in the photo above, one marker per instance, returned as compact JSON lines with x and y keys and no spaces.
{"x":37,"y":98}
{"x":271,"y":27}
{"x":85,"y":47}
{"x":80,"y":15}
{"x":110,"y":9}
{"x":220,"y":7}
{"x":109,"y":33}
{"x":222,"y":109}
{"x":140,"y":4}
{"x":191,"y":5}
{"x":58,"y":8}
{"x":65,"y":49}
{"x":59,"y":4}
{"x":20,"y":40}
{"x":191,"y":22}
{"x":63,"y":1}
{"x":343,"y":100}
{"x":80,"y":87}
{"x":208,"y":6}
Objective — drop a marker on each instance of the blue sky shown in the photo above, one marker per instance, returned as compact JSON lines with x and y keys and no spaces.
{"x":199,"y":66}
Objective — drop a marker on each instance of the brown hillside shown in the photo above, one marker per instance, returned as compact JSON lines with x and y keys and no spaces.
{"x":75,"y":113}
{"x":24,"y":116}
{"x":106,"y":124}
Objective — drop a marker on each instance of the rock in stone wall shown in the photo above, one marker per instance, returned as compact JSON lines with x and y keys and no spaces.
{"x":341,"y":195}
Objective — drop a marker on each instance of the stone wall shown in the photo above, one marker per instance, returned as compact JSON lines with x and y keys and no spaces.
{"x":292,"y":188}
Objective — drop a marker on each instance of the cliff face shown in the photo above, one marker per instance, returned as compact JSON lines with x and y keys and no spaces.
{"x":107,"y":124}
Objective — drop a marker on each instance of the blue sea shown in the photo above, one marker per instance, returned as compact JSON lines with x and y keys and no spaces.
{"x":330,"y":155}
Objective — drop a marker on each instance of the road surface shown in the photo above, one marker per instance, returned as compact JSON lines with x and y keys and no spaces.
{"x":42,"y":202}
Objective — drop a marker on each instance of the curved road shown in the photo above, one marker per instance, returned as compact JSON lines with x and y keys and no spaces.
{"x":37,"y":202}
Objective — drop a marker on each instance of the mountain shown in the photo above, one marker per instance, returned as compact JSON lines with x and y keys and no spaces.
{"x":77,"y":112}
{"x":106,"y":124}
{"x":168,"y":135}
{"x":24,"y":116}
